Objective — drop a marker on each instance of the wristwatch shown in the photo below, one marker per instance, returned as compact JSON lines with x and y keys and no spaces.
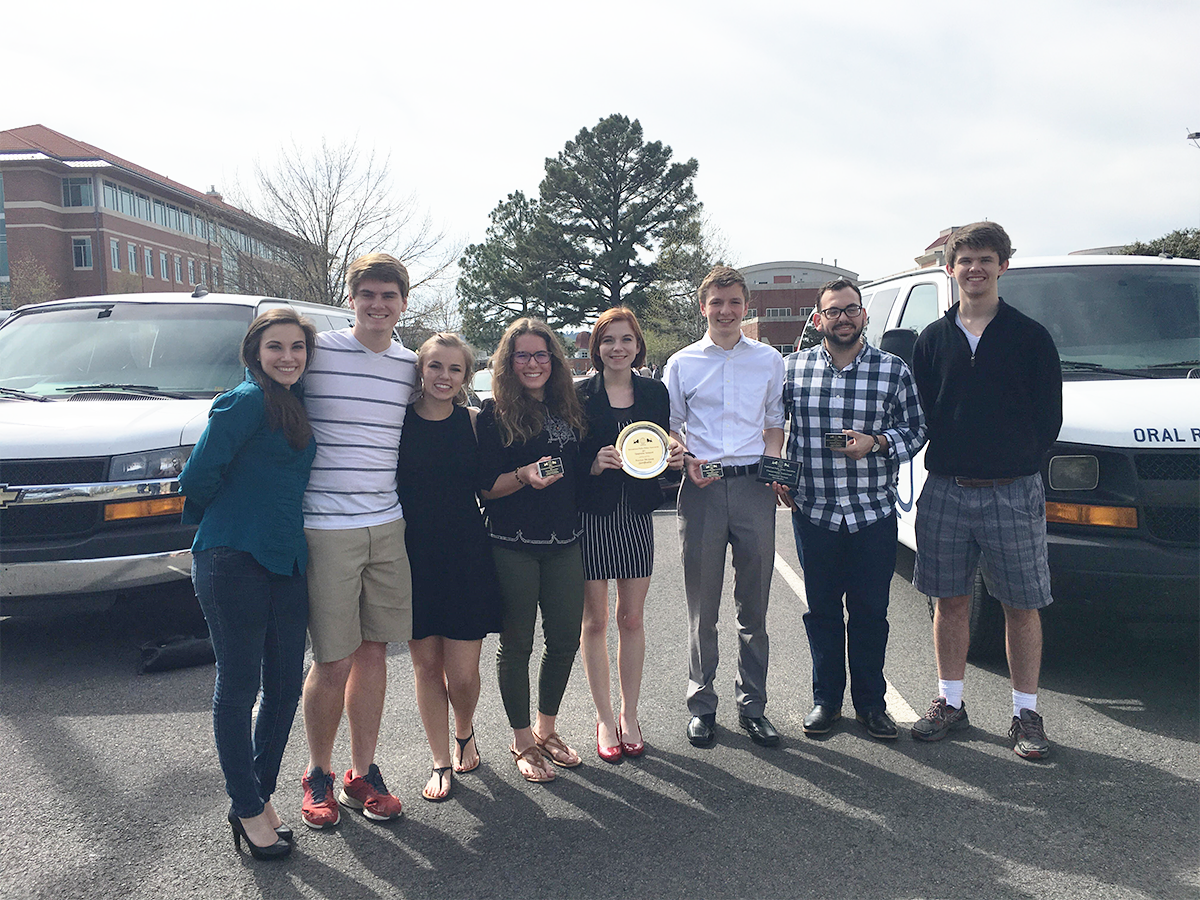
{"x":875,"y":443}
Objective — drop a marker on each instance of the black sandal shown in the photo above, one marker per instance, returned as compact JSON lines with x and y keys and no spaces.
{"x":440,"y":772}
{"x":462,"y":746}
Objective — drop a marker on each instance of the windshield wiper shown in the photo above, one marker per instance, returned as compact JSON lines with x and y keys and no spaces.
{"x":1096,"y":367}
{"x":22,"y":395}
{"x":1182,"y":364}
{"x":147,"y":389}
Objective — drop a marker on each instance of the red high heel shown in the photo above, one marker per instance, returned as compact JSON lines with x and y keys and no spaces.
{"x":630,"y":749}
{"x":609,"y":754}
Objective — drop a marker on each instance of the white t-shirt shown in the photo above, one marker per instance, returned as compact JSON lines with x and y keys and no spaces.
{"x":356,"y":400}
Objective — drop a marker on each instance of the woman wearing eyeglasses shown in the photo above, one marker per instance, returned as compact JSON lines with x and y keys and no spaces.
{"x":529,"y":436}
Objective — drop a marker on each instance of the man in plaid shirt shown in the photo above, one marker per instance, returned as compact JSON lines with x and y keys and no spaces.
{"x":843,"y":514}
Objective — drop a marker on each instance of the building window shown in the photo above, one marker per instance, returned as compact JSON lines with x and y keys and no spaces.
{"x":204,"y":273}
{"x":216,"y":274}
{"x":178,"y":270}
{"x":81,"y":250}
{"x":160,"y":215}
{"x":785,"y":349}
{"x":778,"y":312}
{"x":149,"y":263}
{"x":111,"y":196}
{"x":77,"y":192}
{"x":191,"y":271}
{"x":162,"y":266}
{"x":133,"y":254}
{"x":114,"y":252}
{"x":143,"y":208}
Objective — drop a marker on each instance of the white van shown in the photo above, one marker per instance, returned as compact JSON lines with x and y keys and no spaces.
{"x":1123,"y":479}
{"x":101,"y":402}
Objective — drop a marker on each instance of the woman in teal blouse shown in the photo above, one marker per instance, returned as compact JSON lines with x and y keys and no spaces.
{"x":243,"y":485}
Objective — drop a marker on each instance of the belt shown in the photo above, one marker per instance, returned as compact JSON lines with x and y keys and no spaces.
{"x":733,"y":471}
{"x":982,"y":482}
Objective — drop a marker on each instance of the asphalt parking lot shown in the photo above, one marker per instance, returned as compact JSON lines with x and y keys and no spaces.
{"x":113,"y":787}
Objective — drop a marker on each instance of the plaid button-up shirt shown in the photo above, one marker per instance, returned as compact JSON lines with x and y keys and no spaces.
{"x":875,"y":394}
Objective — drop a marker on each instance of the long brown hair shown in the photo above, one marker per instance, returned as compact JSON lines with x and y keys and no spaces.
{"x":284,"y":410}
{"x":519,"y":415}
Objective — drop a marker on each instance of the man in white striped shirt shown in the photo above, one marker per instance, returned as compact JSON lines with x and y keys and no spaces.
{"x":357,"y":390}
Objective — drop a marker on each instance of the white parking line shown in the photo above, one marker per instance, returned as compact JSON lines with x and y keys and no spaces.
{"x":896,"y":704}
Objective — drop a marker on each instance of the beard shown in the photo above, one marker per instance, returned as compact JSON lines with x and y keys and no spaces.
{"x":846,"y":341}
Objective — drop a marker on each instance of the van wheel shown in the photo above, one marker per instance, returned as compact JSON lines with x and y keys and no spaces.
{"x":987,"y":624}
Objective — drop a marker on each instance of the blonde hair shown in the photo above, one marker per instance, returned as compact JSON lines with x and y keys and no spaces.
{"x":454,"y":342}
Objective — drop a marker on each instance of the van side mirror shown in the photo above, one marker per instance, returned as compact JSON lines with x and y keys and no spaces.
{"x":899,"y":342}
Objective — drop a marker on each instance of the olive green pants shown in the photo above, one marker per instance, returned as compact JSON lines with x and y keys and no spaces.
{"x":552,"y":580}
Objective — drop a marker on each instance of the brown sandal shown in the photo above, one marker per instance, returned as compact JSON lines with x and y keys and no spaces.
{"x":551,"y":745}
{"x":533,"y":757}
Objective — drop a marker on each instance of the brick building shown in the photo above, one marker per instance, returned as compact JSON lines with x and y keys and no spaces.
{"x":782,"y":298}
{"x":98,"y":224}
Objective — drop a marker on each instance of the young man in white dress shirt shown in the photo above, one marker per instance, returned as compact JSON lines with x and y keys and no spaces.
{"x":726,"y":395}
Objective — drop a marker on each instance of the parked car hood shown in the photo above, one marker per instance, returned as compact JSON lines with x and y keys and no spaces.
{"x":97,"y":427}
{"x":1143,"y":412}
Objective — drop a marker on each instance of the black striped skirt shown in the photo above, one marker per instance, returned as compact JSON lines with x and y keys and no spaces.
{"x":617,"y":545}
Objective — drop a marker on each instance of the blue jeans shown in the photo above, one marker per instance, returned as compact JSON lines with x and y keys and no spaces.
{"x":859,"y":566}
{"x":257,"y":620}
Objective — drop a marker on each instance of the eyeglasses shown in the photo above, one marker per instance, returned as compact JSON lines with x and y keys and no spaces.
{"x":521,"y":358}
{"x":853,"y":311}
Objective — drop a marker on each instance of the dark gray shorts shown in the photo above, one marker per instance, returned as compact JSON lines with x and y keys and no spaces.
{"x":1004,"y":526}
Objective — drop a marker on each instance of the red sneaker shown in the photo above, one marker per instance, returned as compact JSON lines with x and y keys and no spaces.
{"x":319,"y":809}
{"x":370,"y":794}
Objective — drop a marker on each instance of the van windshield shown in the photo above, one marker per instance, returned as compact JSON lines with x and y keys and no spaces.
{"x":1137,"y":318}
{"x":183,"y":348}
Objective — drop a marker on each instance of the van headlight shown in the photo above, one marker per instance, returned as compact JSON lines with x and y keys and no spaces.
{"x":150,"y":465}
{"x":1074,"y":473}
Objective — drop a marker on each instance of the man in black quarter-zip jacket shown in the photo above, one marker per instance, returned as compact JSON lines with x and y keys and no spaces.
{"x":991,"y":389}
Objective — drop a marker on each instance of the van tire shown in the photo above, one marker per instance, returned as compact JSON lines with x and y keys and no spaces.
{"x":987,"y":624}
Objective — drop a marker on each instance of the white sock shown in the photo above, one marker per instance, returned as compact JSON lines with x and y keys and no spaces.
{"x":1023,"y":701}
{"x":952,"y":691}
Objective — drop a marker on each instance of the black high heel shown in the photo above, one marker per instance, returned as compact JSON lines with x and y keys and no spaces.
{"x":286,"y":833}
{"x":277,"y":850}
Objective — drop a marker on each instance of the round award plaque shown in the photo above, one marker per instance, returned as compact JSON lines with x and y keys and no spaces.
{"x":643,"y":449}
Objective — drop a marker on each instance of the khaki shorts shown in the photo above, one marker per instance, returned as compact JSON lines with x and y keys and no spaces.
{"x":359,"y":588}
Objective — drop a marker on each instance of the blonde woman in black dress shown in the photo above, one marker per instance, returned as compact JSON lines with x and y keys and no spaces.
{"x":456,"y":599}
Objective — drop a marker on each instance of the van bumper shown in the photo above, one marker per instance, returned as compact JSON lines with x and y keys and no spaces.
{"x":1132,"y":577}
{"x":25,"y":584}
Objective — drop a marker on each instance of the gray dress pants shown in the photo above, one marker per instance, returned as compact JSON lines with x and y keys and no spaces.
{"x":738,"y":511}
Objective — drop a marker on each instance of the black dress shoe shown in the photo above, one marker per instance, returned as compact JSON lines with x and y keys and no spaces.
{"x":821,"y":719}
{"x":702,"y":730}
{"x":879,"y":724}
{"x":762,"y":732}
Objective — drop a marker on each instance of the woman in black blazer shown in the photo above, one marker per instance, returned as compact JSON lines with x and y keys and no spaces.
{"x":618,"y":536}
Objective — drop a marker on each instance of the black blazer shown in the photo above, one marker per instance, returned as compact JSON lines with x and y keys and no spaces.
{"x":599,"y":494}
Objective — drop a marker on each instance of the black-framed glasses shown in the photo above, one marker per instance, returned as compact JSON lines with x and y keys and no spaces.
{"x":521,"y":358}
{"x":853,"y":311}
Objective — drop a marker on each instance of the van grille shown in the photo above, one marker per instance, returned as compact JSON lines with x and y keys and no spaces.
{"x":1175,"y":524}
{"x":59,"y":520}
{"x":1168,"y":466}
{"x":54,"y":471}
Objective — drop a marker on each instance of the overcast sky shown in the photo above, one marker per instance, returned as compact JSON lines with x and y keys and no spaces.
{"x":833,"y":130}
